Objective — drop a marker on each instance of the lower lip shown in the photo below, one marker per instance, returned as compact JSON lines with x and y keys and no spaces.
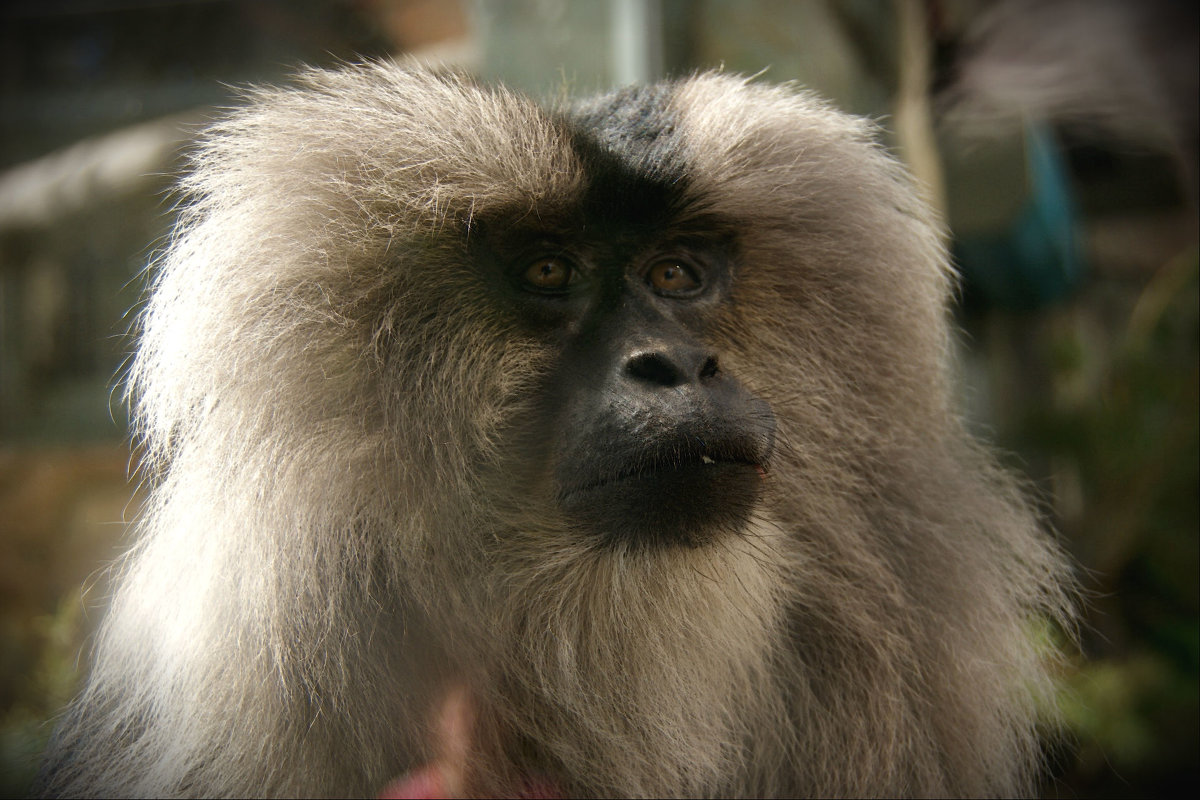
{"x":692,"y":471}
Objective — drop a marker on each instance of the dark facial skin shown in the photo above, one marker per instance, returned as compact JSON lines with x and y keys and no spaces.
{"x":653,"y":443}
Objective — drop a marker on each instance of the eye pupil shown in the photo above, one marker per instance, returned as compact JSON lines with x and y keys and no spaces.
{"x":548,"y":273}
{"x":672,"y":276}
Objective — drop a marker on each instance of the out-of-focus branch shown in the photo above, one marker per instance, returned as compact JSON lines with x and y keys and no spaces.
{"x":92,"y":171}
{"x":913,"y":112}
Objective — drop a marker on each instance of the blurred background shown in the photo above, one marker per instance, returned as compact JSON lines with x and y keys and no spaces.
{"x":1058,"y":137}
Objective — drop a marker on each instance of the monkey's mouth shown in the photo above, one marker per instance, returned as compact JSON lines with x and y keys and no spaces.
{"x":693,"y":466}
{"x":686,"y":498}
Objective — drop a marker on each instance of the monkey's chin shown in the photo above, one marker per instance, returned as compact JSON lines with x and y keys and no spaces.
{"x":688,"y":505}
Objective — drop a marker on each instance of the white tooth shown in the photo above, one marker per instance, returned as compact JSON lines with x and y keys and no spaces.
{"x":706,"y":460}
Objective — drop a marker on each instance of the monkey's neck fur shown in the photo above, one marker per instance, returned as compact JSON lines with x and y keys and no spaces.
{"x":751,"y":667}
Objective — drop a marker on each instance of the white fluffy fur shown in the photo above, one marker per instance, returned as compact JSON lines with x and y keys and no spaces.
{"x":338,"y":528}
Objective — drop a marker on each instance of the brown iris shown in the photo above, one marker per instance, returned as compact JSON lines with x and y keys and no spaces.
{"x":548,"y":274}
{"x":672,"y":276}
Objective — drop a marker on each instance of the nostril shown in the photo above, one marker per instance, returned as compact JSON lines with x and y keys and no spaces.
{"x":654,"y":368}
{"x":672,"y":366}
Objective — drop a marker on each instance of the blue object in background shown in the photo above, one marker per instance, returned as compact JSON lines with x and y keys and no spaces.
{"x":1036,"y":260}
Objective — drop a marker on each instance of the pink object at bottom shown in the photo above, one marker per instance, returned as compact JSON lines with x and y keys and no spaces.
{"x":429,"y":782}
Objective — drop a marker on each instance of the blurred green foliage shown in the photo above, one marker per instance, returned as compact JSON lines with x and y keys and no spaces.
{"x":1124,"y":428}
{"x":40,"y":663}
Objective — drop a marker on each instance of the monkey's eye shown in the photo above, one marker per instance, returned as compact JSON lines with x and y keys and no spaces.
{"x":549,"y":274}
{"x":672,"y":276}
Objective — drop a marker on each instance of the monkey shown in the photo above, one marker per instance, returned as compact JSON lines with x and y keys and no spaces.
{"x":629,"y":419}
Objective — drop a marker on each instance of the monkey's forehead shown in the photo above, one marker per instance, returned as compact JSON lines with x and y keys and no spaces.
{"x":424,"y":149}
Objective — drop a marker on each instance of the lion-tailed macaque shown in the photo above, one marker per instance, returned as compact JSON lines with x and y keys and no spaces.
{"x":629,"y":423}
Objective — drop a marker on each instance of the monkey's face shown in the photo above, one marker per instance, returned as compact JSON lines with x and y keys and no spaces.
{"x":643,"y":434}
{"x":648,"y":439}
{"x":564,"y":326}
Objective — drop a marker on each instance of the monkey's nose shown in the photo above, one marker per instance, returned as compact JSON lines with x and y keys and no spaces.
{"x":671,"y":366}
